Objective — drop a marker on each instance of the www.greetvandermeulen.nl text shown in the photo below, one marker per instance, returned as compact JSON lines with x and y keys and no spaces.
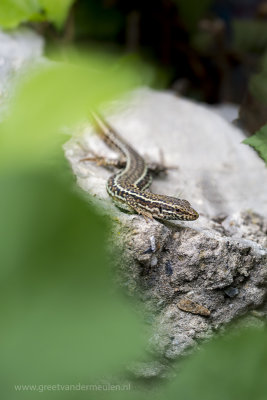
{"x":73,"y":387}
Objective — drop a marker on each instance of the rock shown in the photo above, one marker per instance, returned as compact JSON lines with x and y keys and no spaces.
{"x":17,"y":51}
{"x":193,"y":277}
{"x":227,"y":110}
{"x":149,"y":369}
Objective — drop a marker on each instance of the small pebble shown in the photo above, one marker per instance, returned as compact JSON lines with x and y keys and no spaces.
{"x":231,"y":291}
{"x":191,"y":306}
{"x":152,"y":243}
{"x":154,"y":261}
{"x":168,"y":268}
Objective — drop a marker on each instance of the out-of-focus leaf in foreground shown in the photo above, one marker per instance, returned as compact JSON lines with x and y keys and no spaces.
{"x":55,"y":96}
{"x":61,"y":319}
{"x":259,"y":142}
{"x":232,"y":368}
{"x":15,"y":12}
{"x":56,"y":11}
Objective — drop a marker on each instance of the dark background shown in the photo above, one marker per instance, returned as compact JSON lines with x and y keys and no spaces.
{"x":207,"y":50}
{"x":205,"y":47}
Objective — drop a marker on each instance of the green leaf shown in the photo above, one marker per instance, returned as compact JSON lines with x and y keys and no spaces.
{"x":56,"y":11}
{"x":62,"y":319}
{"x":231,"y":368}
{"x":55,"y":96}
{"x":259,"y":142}
{"x":14,"y":12}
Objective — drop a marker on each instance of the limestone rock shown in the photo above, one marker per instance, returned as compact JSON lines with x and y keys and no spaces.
{"x":18,"y":49}
{"x":215,"y":266}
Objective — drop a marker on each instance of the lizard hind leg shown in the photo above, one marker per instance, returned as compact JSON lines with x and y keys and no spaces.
{"x":132,"y":209}
{"x":122,"y":205}
{"x":106,"y":162}
{"x":146,"y":214}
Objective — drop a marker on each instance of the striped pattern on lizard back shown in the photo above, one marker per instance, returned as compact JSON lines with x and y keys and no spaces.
{"x":128,"y":187}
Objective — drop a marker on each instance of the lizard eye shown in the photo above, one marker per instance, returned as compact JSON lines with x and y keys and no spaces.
{"x":160,"y":210}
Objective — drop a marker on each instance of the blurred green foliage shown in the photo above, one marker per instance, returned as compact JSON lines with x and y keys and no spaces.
{"x":15,"y":12}
{"x":98,"y":20}
{"x":63,"y":319}
{"x":57,"y":95}
{"x":250,"y":36}
{"x":55,"y":11}
{"x":232,"y":368}
{"x":191,"y":11}
{"x":258,"y":88}
{"x":258,"y":82}
{"x":202,"y":42}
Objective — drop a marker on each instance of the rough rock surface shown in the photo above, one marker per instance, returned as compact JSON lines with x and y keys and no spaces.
{"x":193,"y":277}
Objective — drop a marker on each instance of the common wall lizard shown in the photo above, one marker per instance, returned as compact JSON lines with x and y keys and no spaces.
{"x":129,"y":187}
